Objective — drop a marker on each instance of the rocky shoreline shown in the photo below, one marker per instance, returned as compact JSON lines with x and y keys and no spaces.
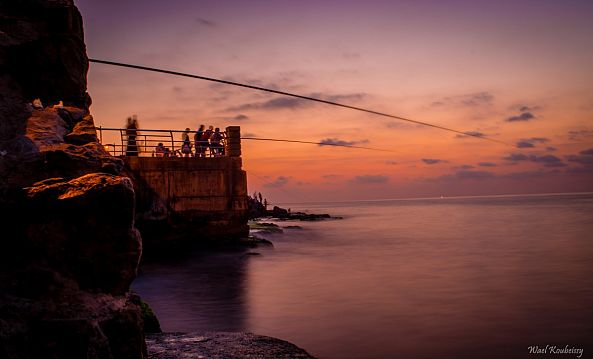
{"x":220,"y":345}
{"x":70,"y":247}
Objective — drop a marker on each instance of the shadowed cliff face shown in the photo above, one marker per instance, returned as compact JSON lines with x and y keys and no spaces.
{"x":43,"y":50}
{"x":43,"y":55}
{"x":69,"y":246}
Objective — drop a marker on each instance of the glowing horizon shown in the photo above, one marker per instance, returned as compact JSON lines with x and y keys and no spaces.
{"x":471,"y":66}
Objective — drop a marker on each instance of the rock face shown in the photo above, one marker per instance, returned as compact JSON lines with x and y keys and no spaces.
{"x":69,"y":246}
{"x":88,"y":234}
{"x":221,"y":345}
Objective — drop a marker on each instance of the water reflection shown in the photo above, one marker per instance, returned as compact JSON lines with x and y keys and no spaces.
{"x":203,"y":292}
{"x":442,"y":279}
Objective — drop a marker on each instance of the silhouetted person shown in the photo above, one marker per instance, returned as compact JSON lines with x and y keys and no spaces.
{"x":186,"y":145}
{"x":131,"y":134}
{"x":200,"y":146}
{"x":206,"y":137}
{"x":159,"y":150}
{"x":215,"y":146}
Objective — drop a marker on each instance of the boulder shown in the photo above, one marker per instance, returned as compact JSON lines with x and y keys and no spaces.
{"x":46,"y":128}
{"x":84,"y":132}
{"x":221,"y":345}
{"x":98,"y":246}
{"x":43,"y":150}
{"x":278,"y":212}
{"x":65,"y":322}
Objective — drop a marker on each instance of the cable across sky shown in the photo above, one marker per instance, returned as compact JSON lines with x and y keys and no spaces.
{"x":232,"y":83}
{"x":317,"y":143}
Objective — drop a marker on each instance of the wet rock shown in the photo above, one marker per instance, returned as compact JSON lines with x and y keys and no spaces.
{"x":299,"y":216}
{"x":72,"y":115}
{"x":278,"y":212}
{"x":46,"y":128}
{"x":42,"y":151}
{"x":98,"y":245}
{"x":150,"y":320}
{"x":263,"y":227}
{"x":84,"y":132}
{"x":254,"y":242}
{"x":220,"y":345}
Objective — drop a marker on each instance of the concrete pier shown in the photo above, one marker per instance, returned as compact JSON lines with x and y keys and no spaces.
{"x":190,"y":200}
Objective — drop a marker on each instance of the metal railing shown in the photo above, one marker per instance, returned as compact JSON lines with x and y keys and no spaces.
{"x":158,"y":143}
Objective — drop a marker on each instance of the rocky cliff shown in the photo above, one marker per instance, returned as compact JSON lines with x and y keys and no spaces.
{"x":69,"y":249}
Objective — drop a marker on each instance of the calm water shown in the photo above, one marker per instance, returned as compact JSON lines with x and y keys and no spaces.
{"x":443,"y":278}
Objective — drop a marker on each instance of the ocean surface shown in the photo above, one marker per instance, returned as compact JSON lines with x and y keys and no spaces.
{"x":476,"y":277}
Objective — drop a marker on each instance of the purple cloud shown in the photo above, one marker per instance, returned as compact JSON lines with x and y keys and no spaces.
{"x":293,"y":103}
{"x":477,"y":99}
{"x":487,"y":164}
{"x":433,"y":161}
{"x":370,"y":179}
{"x":524,"y":116}
{"x":463,"y":167}
{"x":483,"y":98}
{"x":205,"y":22}
{"x":470,"y":133}
{"x":240,"y":117}
{"x":474,"y":175}
{"x":530,"y":142}
{"x":576,"y":135}
{"x":516,"y":157}
{"x":546,"y":160}
{"x":584,"y":157}
{"x":280,"y":181}
{"x":337,"y":142}
{"x":524,"y":144}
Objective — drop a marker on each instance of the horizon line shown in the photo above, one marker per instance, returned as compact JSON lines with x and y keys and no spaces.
{"x":444,"y":197}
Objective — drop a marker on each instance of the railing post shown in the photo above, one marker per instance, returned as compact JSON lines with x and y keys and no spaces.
{"x":121,"y":136}
{"x":172,"y":142}
{"x":100,"y":135}
{"x":233,"y":141}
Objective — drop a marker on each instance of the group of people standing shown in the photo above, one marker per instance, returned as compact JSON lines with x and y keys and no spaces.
{"x":209,"y":140}
{"x":204,"y":142}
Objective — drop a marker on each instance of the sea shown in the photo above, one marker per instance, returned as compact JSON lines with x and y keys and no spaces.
{"x":462,"y":277}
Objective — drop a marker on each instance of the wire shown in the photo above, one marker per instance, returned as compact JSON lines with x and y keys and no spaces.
{"x":138,"y":67}
{"x":317,"y":143}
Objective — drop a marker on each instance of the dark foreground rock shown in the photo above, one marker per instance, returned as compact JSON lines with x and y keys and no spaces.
{"x":220,"y":345}
{"x":68,"y":249}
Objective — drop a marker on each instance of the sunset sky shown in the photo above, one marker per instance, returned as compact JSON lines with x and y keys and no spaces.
{"x":515,"y":71}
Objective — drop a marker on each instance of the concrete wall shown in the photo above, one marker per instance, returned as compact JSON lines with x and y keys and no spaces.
{"x":195,"y":199}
